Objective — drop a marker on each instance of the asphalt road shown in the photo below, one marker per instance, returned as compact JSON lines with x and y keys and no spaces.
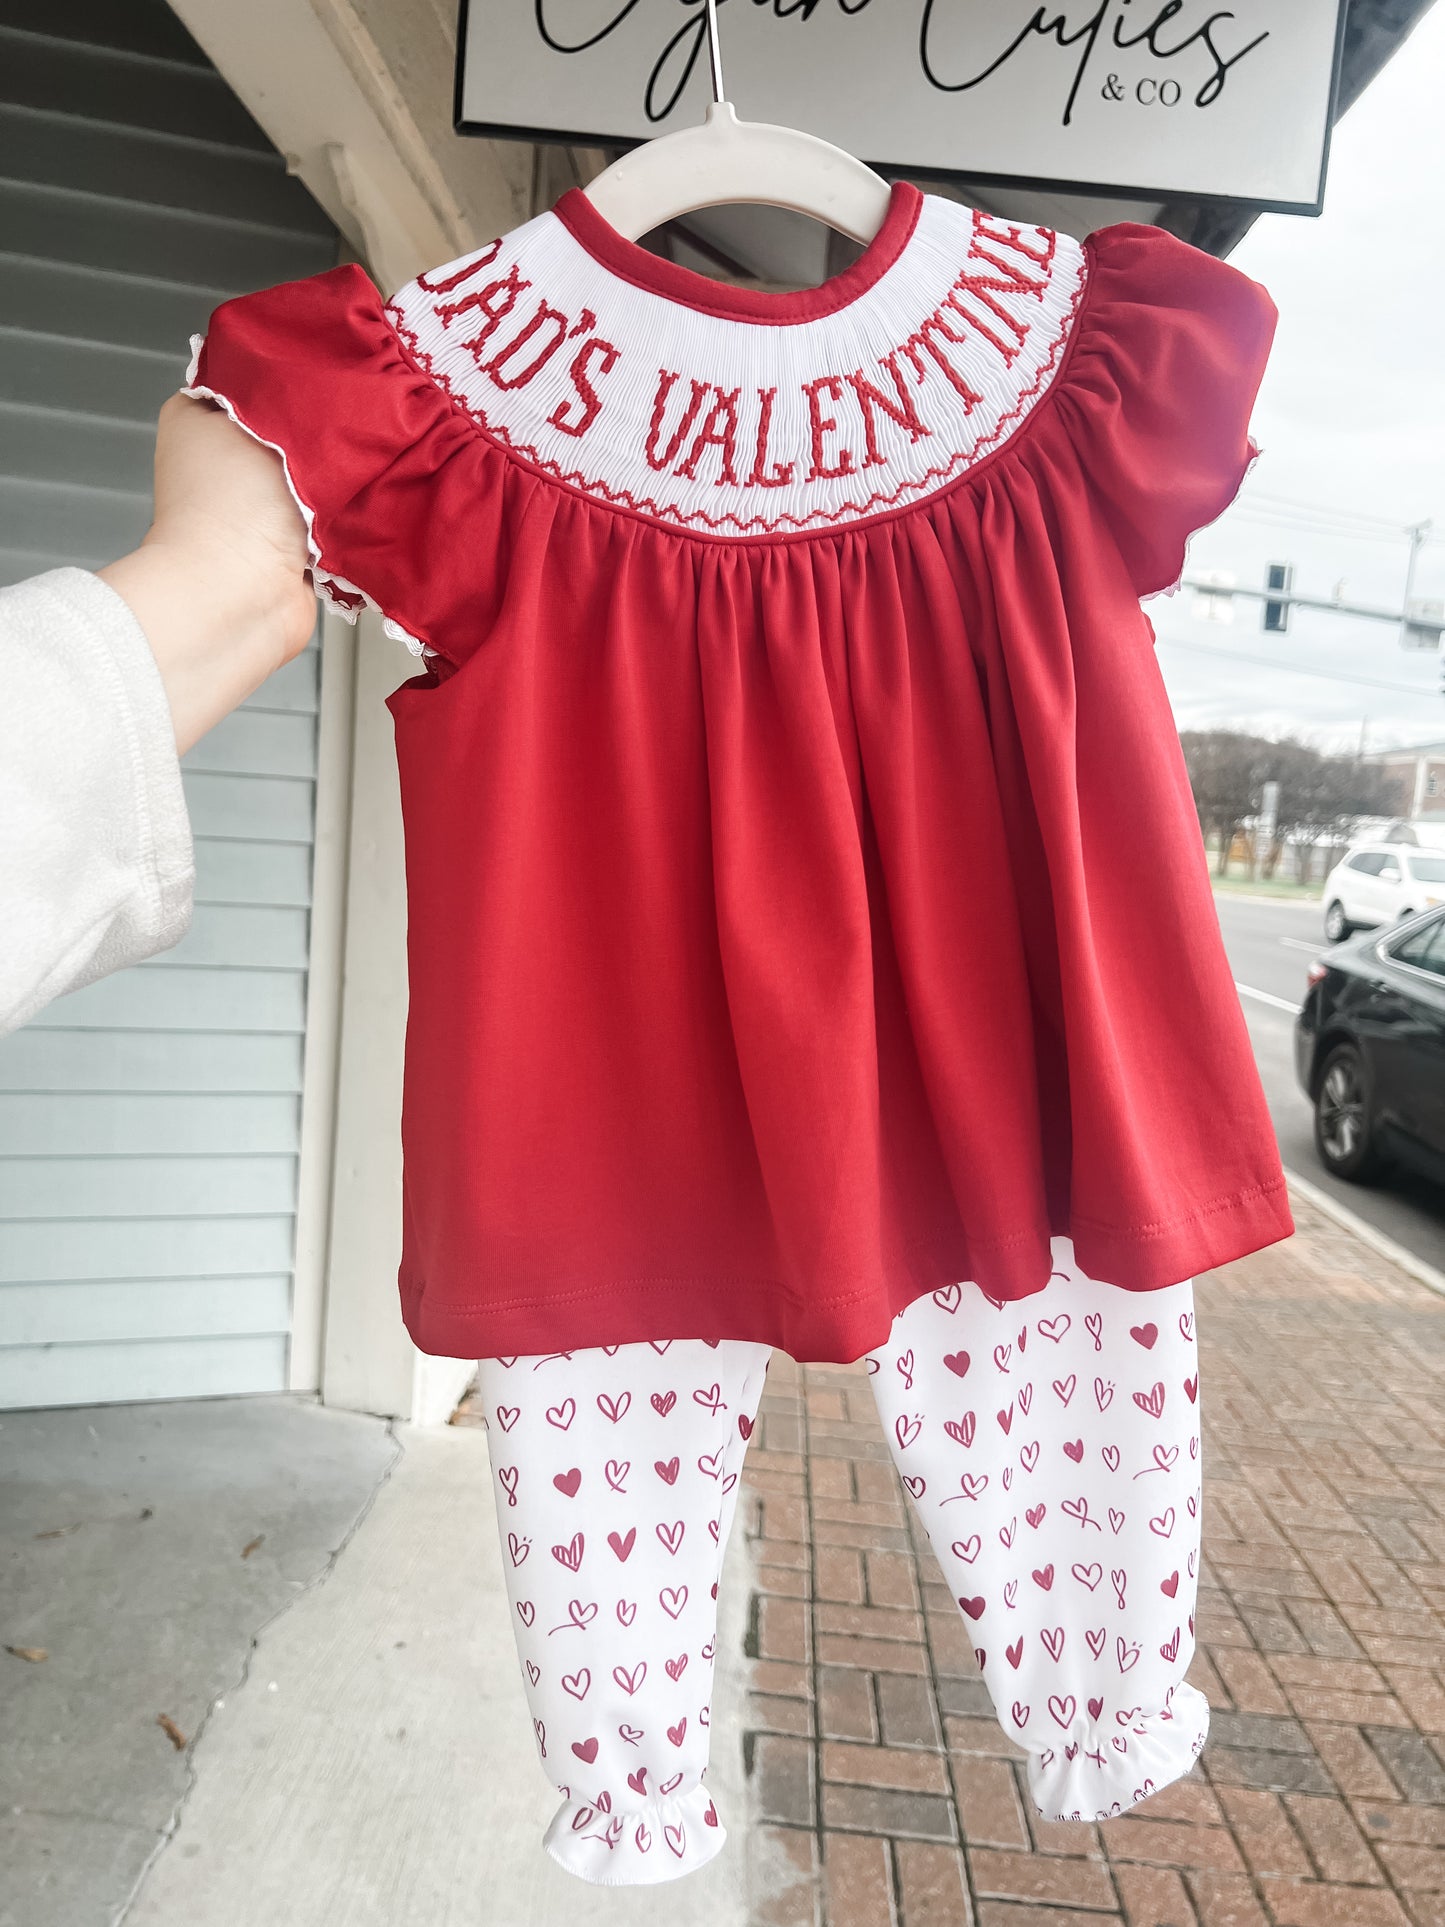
{"x":1270,"y":945}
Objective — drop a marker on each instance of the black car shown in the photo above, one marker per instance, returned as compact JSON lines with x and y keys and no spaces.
{"x":1370,"y":1050}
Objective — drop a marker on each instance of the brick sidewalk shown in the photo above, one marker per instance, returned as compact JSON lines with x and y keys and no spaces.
{"x":890,"y":1796}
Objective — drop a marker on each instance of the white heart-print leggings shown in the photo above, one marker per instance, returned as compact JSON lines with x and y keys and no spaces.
{"x":1051,"y":1448}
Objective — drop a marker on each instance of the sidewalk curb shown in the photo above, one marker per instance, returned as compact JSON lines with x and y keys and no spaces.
{"x":1423,"y":1273}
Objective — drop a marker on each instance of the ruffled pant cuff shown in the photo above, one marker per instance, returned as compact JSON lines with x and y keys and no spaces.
{"x":662,"y":1839}
{"x":1094,"y":1775}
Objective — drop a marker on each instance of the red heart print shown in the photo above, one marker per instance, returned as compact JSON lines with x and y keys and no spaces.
{"x":667,"y":1471}
{"x":577,"y":1683}
{"x":1064,"y":1387}
{"x":1035,"y":1515}
{"x":707,"y":1650}
{"x":711,"y":1463}
{"x":1145,"y":1335}
{"x":1164,"y":1457}
{"x":659,"y":1345}
{"x":1006,"y":1534}
{"x":676,"y":1667}
{"x":1054,"y":1328}
{"x":629,"y":1682}
{"x":948,"y":1299}
{"x":518,"y":1548}
{"x":1006,"y":1419}
{"x":1186,"y":1325}
{"x":676,"y":1838}
{"x":585,"y":1750}
{"x":981,"y":1656}
{"x":667,"y":1786}
{"x":508,"y":1475}
{"x":626,"y":1611}
{"x":580,"y":1614}
{"x":1110,"y":1456}
{"x":1094,"y":1325}
{"x":1088,"y":1576}
{"x":1163,"y":1525}
{"x":672,"y":1599}
{"x":617,"y":1470}
{"x":1103,"y":1393}
{"x":632,"y":1734}
{"x":958,"y":1363}
{"x":710,"y":1817}
{"x":906,"y":1429}
{"x":507,"y":1416}
{"x":1170,"y":1586}
{"x":638,"y":1781}
{"x":534,"y":1672}
{"x":1053,"y":1638}
{"x":1020,"y":1714}
{"x":526,"y":1611}
{"x":613,"y":1408}
{"x":962,"y":1432}
{"x":712,"y":1526}
{"x":712,"y":1397}
{"x":1126,"y":1655}
{"x":1014,"y":1654}
{"x":1151,"y":1401}
{"x":1024,"y":1339}
{"x":973,"y":1607}
{"x":730,"y":1481}
{"x":1191,"y":1388}
{"x":507,"y":1363}
{"x":1044,"y":1576}
{"x":1095,"y":1641}
{"x":663,"y":1402}
{"x":1001,"y":1356}
{"x":612,"y":1350}
{"x":1026,"y":1399}
{"x":997,"y":1303}
{"x":568,"y":1482}
{"x":675,"y":1733}
{"x":967,"y":1549}
{"x":620,"y":1545}
{"x":915,"y":1486}
{"x":1170,"y":1649}
{"x":671,"y":1536}
{"x":1096,"y":1707}
{"x":745,"y":1425}
{"x":1074,"y":1449}
{"x":642,"y":1836}
{"x":1116,"y":1521}
{"x":704,"y":1718}
{"x":570,"y":1555}
{"x":541,"y":1733}
{"x":562,"y":1415}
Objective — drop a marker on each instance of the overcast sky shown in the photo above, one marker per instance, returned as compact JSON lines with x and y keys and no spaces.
{"x":1351,"y":421}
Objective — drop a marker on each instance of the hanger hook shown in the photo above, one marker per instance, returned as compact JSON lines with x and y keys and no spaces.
{"x":714,"y":51}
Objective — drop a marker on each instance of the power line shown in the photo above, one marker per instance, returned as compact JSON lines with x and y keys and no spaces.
{"x":1296,"y":668}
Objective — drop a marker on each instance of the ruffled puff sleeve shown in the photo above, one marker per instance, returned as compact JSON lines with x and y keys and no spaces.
{"x":1170,"y":353}
{"x":371,"y":448}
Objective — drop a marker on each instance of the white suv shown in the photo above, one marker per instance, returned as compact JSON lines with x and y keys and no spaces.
{"x":1380,"y":882}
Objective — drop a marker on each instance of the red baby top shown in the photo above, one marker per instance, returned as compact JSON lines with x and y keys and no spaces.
{"x":807,"y":905}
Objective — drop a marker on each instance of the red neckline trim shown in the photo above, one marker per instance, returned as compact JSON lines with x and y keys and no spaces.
{"x":701,"y":293}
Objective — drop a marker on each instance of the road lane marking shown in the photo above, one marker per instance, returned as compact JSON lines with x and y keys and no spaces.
{"x":1298,"y":943}
{"x":1267,"y":997}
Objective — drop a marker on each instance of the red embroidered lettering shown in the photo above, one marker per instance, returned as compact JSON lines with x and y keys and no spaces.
{"x":902,"y":410}
{"x":782,"y":471}
{"x":591,"y":400}
{"x":483,"y":260}
{"x":545,"y":317}
{"x":984,"y":288}
{"x":922,"y":343}
{"x":666,"y":378}
{"x":821,"y":424}
{"x":719,"y":430}
{"x":496,"y":301}
{"x":1012,"y":237}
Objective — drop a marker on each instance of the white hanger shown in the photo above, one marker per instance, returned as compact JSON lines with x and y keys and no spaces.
{"x":727,"y":159}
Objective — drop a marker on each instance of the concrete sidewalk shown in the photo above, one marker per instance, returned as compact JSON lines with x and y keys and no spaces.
{"x":358,"y":1748}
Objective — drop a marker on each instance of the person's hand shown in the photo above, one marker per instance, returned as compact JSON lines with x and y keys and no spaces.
{"x":218,"y":583}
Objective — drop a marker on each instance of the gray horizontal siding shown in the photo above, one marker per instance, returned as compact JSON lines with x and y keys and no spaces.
{"x":150,"y":1123}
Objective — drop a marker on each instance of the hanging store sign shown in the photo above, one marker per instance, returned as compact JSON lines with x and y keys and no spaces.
{"x":1147,"y":98}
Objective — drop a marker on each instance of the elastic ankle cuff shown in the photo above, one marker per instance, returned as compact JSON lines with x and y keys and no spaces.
{"x":1095,"y":1775}
{"x":662,"y":1839}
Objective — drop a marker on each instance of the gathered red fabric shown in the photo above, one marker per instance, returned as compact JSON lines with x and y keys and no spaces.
{"x":807,"y":906}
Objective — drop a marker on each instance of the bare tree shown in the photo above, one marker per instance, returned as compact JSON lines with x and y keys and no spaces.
{"x":1322,"y":797}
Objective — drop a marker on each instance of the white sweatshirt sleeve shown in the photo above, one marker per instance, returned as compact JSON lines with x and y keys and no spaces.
{"x":97,"y":868}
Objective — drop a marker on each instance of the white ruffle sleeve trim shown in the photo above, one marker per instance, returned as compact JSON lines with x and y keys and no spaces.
{"x":347,"y":598}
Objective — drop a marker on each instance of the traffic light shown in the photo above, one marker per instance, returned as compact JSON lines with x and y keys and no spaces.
{"x":1280,"y":576}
